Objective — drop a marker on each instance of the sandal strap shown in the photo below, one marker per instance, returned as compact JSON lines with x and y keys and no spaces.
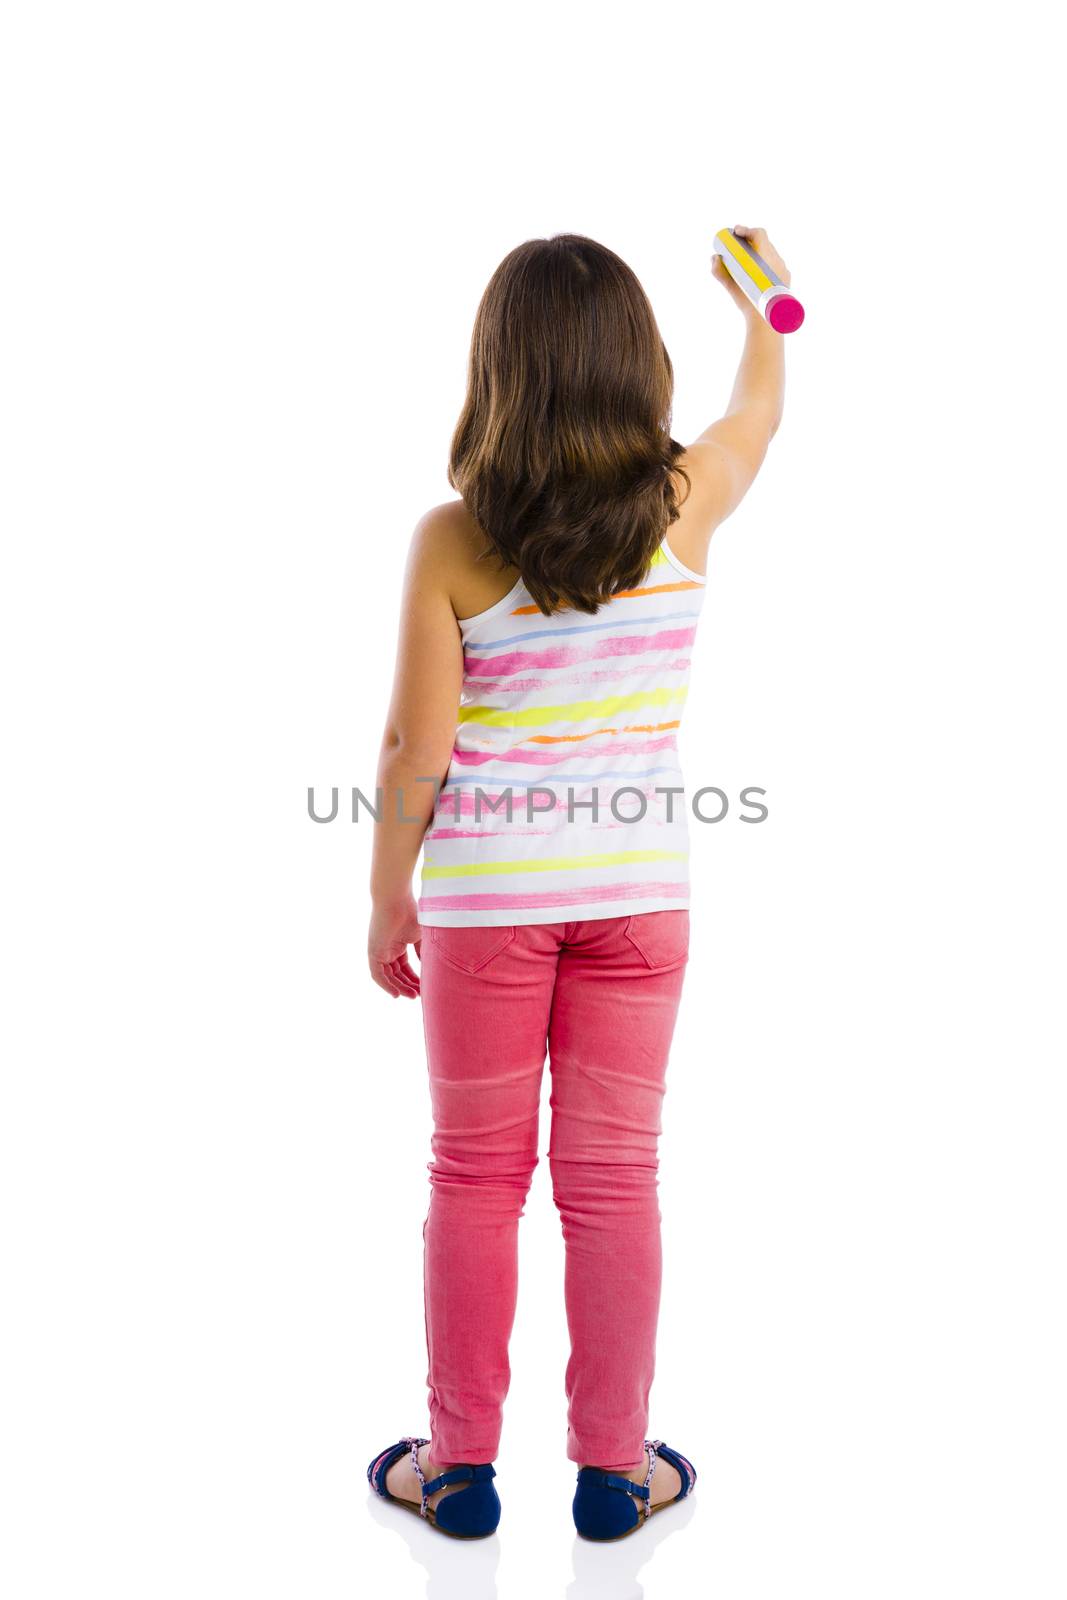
{"x":468,"y":1474}
{"x":416,"y":1445}
{"x":652,"y":1446}
{"x":611,"y":1480}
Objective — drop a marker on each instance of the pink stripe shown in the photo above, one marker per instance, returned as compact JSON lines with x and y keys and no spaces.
{"x":526,"y":685}
{"x":585,"y":750}
{"x":556,"y":897}
{"x":488,"y":832}
{"x":500,"y":828}
{"x":570,"y":655}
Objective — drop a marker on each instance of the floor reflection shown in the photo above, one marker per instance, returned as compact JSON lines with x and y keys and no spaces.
{"x":454,"y":1567}
{"x":466,"y":1569}
{"x":610,"y":1571}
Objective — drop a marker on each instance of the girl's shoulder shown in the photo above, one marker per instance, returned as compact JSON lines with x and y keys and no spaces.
{"x":450,"y":546}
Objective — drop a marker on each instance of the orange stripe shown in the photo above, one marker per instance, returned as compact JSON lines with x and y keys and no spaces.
{"x":574,"y":738}
{"x":623,"y":594}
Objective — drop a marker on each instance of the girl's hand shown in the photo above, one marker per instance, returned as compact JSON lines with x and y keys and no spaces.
{"x":392,"y":929}
{"x":759,"y":241}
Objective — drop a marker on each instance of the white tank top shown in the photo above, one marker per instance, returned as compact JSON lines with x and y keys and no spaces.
{"x":558,"y":802}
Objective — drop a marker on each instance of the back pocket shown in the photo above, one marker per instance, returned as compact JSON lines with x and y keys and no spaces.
{"x":661,"y":938}
{"x":470,"y":949}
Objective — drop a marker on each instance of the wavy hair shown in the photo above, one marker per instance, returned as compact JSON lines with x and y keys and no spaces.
{"x":563,"y":453}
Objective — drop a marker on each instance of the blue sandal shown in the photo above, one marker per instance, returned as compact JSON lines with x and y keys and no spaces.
{"x":471,"y":1513}
{"x":605,"y":1504}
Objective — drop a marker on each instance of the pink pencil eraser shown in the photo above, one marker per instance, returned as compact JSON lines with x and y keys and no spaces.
{"x":785,"y":313}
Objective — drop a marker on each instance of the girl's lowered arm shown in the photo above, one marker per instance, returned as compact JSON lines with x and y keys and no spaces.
{"x":415,"y":753}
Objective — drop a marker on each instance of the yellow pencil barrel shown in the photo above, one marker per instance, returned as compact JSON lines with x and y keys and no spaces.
{"x":758,"y":280}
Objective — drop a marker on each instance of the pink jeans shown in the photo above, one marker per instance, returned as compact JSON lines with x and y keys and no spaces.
{"x":603,"y":997}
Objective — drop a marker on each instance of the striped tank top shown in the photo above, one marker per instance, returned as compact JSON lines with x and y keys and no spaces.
{"x":563,"y":799}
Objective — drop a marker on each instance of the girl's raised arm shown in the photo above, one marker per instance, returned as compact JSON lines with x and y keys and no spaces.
{"x":723,"y":462}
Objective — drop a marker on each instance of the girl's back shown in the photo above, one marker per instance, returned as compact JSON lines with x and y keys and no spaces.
{"x":563,"y":798}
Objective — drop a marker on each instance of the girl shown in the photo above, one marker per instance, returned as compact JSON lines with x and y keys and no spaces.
{"x":549,"y":608}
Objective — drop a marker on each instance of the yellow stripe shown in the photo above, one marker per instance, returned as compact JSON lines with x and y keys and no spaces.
{"x":743,"y":259}
{"x":617,"y":858}
{"x":577,"y":711}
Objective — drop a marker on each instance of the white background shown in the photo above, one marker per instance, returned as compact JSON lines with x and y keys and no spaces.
{"x":244,"y":248}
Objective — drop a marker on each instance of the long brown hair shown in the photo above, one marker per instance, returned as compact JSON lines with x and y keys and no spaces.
{"x":563,"y":453}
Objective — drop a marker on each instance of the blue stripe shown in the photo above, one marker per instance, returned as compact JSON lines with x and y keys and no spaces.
{"x":643,"y":621}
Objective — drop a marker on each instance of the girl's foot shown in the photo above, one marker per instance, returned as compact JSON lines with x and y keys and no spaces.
{"x":609,"y":1504}
{"x":460,"y":1501}
{"x":403,"y":1484}
{"x":666,"y":1480}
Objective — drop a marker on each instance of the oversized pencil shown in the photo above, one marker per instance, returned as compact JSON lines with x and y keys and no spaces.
{"x":759,"y":281}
